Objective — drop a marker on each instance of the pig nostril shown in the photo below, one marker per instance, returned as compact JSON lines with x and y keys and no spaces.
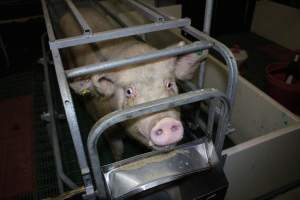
{"x":174,"y":128}
{"x":159,"y":132}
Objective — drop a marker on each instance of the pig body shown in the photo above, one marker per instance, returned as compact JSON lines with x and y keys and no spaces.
{"x":130,"y":85}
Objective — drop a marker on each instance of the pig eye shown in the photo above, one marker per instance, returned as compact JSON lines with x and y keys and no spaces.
{"x":129,"y":92}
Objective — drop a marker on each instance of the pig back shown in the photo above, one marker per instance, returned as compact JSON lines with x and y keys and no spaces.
{"x":95,"y":52}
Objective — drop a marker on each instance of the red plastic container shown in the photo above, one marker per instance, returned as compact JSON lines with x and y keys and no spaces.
{"x":286,"y":94}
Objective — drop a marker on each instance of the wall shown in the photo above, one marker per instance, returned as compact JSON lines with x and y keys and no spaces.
{"x":278,"y":23}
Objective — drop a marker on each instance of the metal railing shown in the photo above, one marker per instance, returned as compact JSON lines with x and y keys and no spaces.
{"x":161,"y":22}
{"x":155,"y":106}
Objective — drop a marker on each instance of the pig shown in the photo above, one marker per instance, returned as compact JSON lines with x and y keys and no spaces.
{"x":131,"y":85}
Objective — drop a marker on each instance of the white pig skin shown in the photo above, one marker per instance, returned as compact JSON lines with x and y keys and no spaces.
{"x":130,"y":85}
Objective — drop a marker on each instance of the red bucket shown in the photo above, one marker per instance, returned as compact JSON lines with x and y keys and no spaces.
{"x":286,"y":94}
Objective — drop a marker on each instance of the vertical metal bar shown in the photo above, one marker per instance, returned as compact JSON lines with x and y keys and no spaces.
{"x":69,"y":107}
{"x":48,"y":21}
{"x":211,"y":117}
{"x":226,"y":54}
{"x":52,"y":126}
{"x":2,"y":47}
{"x":57,"y":163}
{"x":72,"y":120}
{"x":208,"y":16}
{"x":222,"y":128}
{"x":206,"y":29}
{"x":81,"y":21}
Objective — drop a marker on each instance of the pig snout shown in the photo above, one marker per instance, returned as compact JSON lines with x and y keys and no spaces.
{"x":167,"y":131}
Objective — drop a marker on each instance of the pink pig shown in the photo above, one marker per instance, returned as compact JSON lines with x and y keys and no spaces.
{"x":131,"y":85}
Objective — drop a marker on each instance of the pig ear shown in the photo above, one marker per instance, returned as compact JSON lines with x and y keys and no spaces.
{"x":98,"y":84}
{"x":103,"y":84}
{"x":82,"y":86}
{"x":186,"y":65}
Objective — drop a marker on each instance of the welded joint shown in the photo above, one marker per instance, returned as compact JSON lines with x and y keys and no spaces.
{"x":89,"y":188}
{"x":45,"y":116}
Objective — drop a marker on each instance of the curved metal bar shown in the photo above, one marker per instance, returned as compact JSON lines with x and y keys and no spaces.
{"x":217,"y":46}
{"x":226,"y":54}
{"x":147,"y":108}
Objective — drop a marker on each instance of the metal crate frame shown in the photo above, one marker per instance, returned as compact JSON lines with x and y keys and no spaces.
{"x":161,"y":22}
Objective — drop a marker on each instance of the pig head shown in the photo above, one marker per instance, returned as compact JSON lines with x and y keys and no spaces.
{"x":136,"y":84}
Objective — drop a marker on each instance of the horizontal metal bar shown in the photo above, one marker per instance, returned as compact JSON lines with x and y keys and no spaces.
{"x":218,"y":46}
{"x":119,"y":33}
{"x":98,"y":5}
{"x":145,"y":11}
{"x":86,"y":29}
{"x":148,"y":108}
{"x":98,"y":67}
{"x":109,"y":11}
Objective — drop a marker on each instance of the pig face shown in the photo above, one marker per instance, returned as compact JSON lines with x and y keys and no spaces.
{"x":137,"y":84}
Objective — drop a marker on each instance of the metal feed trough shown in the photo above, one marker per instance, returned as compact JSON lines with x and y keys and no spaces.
{"x":128,"y":177}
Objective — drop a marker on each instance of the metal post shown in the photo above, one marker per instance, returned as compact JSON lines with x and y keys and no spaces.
{"x":69,"y":107}
{"x":119,"y":33}
{"x":86,"y":29}
{"x":206,"y":29}
{"x":52,"y":125}
{"x":93,"y":68}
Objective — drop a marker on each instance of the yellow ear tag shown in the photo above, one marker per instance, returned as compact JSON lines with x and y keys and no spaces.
{"x":85,"y":92}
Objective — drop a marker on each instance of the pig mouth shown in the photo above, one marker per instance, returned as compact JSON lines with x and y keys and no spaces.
{"x":164,"y":148}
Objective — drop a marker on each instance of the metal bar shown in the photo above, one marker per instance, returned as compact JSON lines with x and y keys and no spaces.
{"x":226,"y":54}
{"x":72,"y":120}
{"x":221,"y":131}
{"x":208,"y":16}
{"x":52,"y":126}
{"x":69,"y":107}
{"x":206,"y":29}
{"x":114,"y":16}
{"x":211,"y":117}
{"x":3,"y":48}
{"x":145,"y":11}
{"x":217,"y":46}
{"x":144,"y":109}
{"x":48,"y":23}
{"x":57,"y":163}
{"x":86,"y":29}
{"x":93,"y":68}
{"x":119,"y":33}
{"x":68,"y":181}
{"x":110,"y":12}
